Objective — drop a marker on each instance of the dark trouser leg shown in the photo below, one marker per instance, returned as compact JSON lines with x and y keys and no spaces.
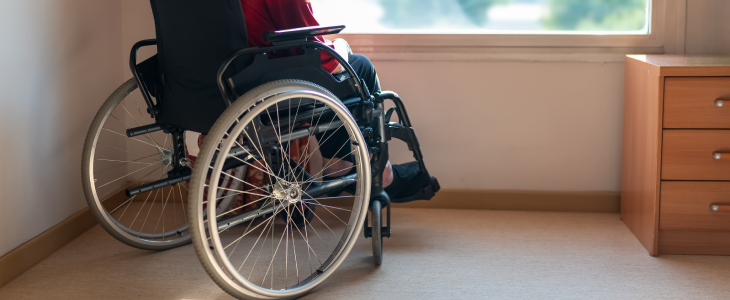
{"x":335,"y":139}
{"x":366,"y":71}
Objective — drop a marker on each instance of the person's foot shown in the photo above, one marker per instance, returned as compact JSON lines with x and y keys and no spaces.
{"x":408,"y":180}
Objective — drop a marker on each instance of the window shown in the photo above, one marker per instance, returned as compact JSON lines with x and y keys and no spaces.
{"x":481,"y":27}
{"x":486,"y":16}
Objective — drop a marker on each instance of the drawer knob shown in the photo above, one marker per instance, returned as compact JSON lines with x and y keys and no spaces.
{"x":720,"y":207}
{"x":721,"y":155}
{"x":719,"y":103}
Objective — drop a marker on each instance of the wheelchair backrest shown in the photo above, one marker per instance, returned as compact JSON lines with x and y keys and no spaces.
{"x":193,"y":38}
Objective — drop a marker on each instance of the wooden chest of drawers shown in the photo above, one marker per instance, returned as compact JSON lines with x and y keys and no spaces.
{"x":676,"y":153}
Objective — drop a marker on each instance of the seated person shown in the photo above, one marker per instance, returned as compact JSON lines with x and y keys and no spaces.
{"x":271,"y":15}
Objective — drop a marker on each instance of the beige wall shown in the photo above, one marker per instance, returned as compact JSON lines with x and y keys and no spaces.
{"x":137,"y":24}
{"x":59,"y":60}
{"x":514,"y":125}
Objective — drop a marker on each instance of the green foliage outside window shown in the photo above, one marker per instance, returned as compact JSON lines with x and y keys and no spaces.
{"x":476,"y":10}
{"x":596,"y":15}
{"x":429,"y":13}
{"x":600,"y":15}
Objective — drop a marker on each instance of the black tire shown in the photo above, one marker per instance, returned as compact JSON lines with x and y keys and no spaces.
{"x":377,"y":225}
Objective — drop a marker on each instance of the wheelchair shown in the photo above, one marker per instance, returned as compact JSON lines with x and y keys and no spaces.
{"x":264,"y":120}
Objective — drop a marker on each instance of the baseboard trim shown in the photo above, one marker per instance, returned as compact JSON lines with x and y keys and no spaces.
{"x":30,"y":253}
{"x":36,"y":249}
{"x":601,"y":202}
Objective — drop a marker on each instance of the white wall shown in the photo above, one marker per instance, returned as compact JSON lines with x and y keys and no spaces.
{"x":708,"y":31}
{"x":59,"y":60}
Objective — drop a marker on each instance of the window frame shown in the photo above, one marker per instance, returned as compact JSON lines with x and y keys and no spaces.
{"x":666,"y":35}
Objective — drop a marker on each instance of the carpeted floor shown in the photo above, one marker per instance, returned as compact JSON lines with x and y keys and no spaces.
{"x":433,"y":254}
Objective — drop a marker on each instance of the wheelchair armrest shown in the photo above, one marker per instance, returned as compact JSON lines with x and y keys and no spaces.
{"x":146,"y":65}
{"x":299,"y":34}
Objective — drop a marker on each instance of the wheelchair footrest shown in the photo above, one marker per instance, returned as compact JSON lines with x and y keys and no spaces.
{"x":425,"y":193}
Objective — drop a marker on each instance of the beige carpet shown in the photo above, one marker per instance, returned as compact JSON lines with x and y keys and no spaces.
{"x":433,"y":254}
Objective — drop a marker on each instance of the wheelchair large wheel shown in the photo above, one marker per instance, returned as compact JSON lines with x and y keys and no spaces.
{"x":256,"y":254}
{"x":113,"y":162}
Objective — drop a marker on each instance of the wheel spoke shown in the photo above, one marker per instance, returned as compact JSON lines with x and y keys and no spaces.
{"x":182,"y":203}
{"x":162,"y":212}
{"x":331,"y":163}
{"x":317,"y":203}
{"x":291,"y":129}
{"x":278,"y":137}
{"x":138,"y":124}
{"x":130,"y":199}
{"x":323,"y":176}
{"x":312,"y":227}
{"x":253,"y":144}
{"x":124,"y":161}
{"x":269,"y":219}
{"x":103,"y":185}
{"x":325,"y":208}
{"x":145,"y":202}
{"x":252,"y":247}
{"x":247,"y":227}
{"x":260,"y":249}
{"x":236,"y":178}
{"x":144,"y":156}
{"x":137,"y":161}
{"x":243,"y":192}
{"x":255,"y":167}
{"x":309,"y":156}
{"x":242,"y":206}
{"x":273,"y":256}
{"x":306,"y":147}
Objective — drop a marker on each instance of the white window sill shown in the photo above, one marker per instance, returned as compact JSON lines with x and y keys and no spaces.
{"x":666,"y":37}
{"x":495,"y":57}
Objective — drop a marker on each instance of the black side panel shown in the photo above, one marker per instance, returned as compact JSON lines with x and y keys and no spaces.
{"x":149,"y":70}
{"x":194,"y":37}
{"x":307,"y":66}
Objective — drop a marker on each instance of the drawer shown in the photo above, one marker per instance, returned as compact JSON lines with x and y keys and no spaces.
{"x":694,"y":242}
{"x":686,"y":205}
{"x":690,"y":102}
{"x":691,"y":155}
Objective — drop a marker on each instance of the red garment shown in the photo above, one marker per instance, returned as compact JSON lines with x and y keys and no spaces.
{"x":271,"y":15}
